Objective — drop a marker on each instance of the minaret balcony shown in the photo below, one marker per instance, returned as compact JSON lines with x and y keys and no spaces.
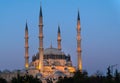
{"x":26,"y":57}
{"x":41,"y":36}
{"x":78,"y":38}
{"x":58,"y":39}
{"x":26,"y":37}
{"x":79,"y":49}
{"x":41,"y":24}
{"x":26,"y":46}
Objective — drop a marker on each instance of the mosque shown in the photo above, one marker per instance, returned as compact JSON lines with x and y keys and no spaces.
{"x":51,"y":61}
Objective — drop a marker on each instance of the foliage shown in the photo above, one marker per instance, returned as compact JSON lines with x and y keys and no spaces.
{"x":109,"y":75}
{"x":65,"y":80}
{"x":79,"y":77}
{"x":82,"y":77}
{"x":2,"y":80}
{"x":25,"y":79}
{"x":117,"y":76}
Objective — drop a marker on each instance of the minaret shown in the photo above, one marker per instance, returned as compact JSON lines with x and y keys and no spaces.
{"x":59,"y":38}
{"x":41,"y":49}
{"x":26,"y":47}
{"x":79,"y":43}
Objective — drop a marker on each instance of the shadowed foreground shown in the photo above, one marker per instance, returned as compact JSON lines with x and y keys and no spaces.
{"x":79,"y":77}
{"x":82,"y":77}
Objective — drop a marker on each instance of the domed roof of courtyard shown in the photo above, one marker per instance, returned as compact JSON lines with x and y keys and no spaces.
{"x":39,"y":75}
{"x":59,"y":74}
{"x":53,"y":51}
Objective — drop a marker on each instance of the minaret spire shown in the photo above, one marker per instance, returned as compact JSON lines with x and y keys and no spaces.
{"x":79,"y":43}
{"x":41,"y":49}
{"x":40,"y":11}
{"x":78,"y":18}
{"x":26,"y":47}
{"x":59,"y":38}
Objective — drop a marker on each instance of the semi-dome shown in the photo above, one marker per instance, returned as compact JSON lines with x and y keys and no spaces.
{"x":53,"y":51}
{"x":59,"y":74}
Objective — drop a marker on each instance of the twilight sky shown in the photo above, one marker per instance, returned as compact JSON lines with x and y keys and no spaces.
{"x":100,"y":23}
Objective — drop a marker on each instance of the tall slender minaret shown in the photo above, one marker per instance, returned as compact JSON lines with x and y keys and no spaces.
{"x":79,"y":56}
{"x":41,"y":49}
{"x":26,"y":47}
{"x":59,"y":38}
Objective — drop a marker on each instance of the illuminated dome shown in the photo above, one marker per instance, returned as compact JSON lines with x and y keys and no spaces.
{"x":53,"y":51}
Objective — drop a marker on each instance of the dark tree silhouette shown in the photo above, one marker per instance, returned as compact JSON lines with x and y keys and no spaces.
{"x":109,"y":75}
{"x":2,"y":80}
{"x":82,"y":77}
{"x":25,"y":79}
{"x":117,"y":76}
{"x":65,"y":80}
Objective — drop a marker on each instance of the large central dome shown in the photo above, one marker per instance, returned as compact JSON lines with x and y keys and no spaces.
{"x":53,"y":51}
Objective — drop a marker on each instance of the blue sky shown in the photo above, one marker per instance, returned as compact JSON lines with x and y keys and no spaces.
{"x":100,"y":23}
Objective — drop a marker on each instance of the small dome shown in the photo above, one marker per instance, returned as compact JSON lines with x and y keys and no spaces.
{"x":53,"y":51}
{"x":38,"y":75}
{"x":6,"y":71}
{"x":21,"y":71}
{"x":59,"y":74}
